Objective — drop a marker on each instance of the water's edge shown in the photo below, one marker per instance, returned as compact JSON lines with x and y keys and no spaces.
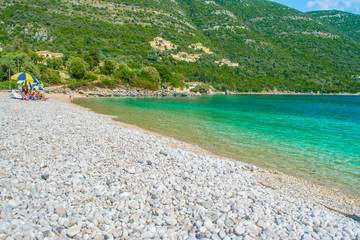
{"x":210,"y":149}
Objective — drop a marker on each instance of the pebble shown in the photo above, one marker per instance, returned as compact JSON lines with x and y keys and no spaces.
{"x":73,"y":231}
{"x":208,"y":225}
{"x":60,"y":210}
{"x":147,"y":235}
{"x":100,"y":180}
{"x":239,"y":230}
{"x":13,"y":204}
{"x":170,"y":220}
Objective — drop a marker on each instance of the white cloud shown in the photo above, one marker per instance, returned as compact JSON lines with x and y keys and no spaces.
{"x":345,"y":5}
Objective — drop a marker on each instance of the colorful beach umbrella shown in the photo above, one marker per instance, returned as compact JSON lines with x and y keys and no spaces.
{"x":21,"y":76}
{"x":36,"y":87}
{"x":29,"y":84}
{"x":39,"y":83}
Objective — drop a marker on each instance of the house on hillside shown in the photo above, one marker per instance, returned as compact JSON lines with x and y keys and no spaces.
{"x":48,"y":54}
{"x":200,"y":46}
{"x":184,"y":56}
{"x":227,"y":62}
{"x":192,"y":85}
{"x":162,"y":44}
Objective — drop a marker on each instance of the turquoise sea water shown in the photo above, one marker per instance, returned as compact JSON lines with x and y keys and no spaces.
{"x":316,"y":137}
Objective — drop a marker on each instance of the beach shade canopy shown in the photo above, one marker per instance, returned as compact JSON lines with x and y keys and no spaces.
{"x":36,"y":87}
{"x":40,"y":84}
{"x":21,"y":76}
{"x":29,"y":84}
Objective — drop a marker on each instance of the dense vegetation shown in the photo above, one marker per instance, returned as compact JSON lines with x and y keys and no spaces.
{"x":276,"y":47}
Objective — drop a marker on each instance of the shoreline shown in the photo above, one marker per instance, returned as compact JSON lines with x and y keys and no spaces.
{"x":85,"y":176}
{"x":136,"y":92}
{"x":269,"y":177}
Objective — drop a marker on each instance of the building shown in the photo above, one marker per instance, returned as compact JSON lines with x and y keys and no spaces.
{"x":48,"y":54}
{"x":183,"y":56}
{"x":192,"y":85}
{"x":162,"y":44}
{"x":227,"y":62}
{"x":200,"y":46}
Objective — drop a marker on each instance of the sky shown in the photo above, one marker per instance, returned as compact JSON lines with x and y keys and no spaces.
{"x":352,"y":6}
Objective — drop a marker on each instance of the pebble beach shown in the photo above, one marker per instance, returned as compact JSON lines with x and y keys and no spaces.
{"x":68,"y":173}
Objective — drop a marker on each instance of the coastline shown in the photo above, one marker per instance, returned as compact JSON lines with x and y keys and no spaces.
{"x":273,"y":178}
{"x":136,"y":92}
{"x":257,"y":184}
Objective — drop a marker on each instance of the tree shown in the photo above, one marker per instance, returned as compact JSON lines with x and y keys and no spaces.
{"x":34,"y":57}
{"x":6,"y":64}
{"x":50,"y":76}
{"x":30,"y":67}
{"x":54,"y":63}
{"x":17,"y":43}
{"x":164,"y":72}
{"x":109,"y":67}
{"x":95,"y":55}
{"x":201,"y":88}
{"x":151,"y":74}
{"x":87,"y":58}
{"x":77,"y":67}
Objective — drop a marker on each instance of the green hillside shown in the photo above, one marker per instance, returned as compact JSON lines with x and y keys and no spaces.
{"x":276,"y":47}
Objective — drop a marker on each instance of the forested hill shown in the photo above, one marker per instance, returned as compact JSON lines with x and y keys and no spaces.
{"x":273,"y":45}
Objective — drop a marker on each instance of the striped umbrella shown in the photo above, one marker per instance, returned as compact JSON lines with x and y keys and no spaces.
{"x":29,"y":84}
{"x":39,"y":83}
{"x":36,"y":87}
{"x":21,"y":76}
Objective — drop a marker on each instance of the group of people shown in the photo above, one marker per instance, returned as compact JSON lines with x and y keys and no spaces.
{"x":34,"y":93}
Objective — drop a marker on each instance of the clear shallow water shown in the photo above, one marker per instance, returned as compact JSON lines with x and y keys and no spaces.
{"x":316,"y":137}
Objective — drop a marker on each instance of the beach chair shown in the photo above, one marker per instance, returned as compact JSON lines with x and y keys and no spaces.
{"x":14,"y":94}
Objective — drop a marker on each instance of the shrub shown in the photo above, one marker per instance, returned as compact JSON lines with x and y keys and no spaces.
{"x":150,"y":74}
{"x":50,"y":76}
{"x":143,"y":83}
{"x":107,"y":83}
{"x":5,"y":85}
{"x":90,"y":77}
{"x":201,"y":88}
{"x":109,"y":67}
{"x":77,"y":67}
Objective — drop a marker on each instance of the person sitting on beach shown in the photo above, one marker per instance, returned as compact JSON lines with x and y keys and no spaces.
{"x":39,"y":93}
{"x":25,"y":93}
{"x":33,"y":93}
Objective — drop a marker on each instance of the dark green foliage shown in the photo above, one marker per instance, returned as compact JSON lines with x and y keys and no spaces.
{"x":108,"y":68}
{"x":150,"y":74}
{"x":87,"y":58}
{"x":54,"y":63}
{"x":107,"y":83}
{"x":201,"y":88}
{"x":276,"y":47}
{"x":125,"y":74}
{"x":95,"y":56}
{"x":90,"y":77}
{"x":50,"y":77}
{"x":77,"y":67}
{"x":165,"y":74}
{"x":143,"y":83}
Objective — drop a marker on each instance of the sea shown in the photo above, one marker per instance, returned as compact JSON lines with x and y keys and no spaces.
{"x":315,"y":137}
